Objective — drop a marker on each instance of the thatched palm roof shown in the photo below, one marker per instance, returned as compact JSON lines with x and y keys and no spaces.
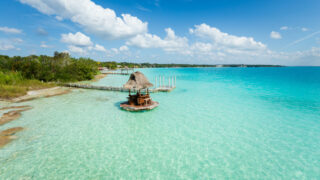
{"x":137,"y":81}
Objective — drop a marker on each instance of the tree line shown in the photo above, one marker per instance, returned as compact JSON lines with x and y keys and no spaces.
{"x":115,"y":65}
{"x":63,"y":68}
{"x":59,"y":68}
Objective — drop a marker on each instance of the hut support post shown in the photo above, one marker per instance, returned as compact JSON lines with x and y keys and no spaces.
{"x":172,"y":81}
{"x":156,"y":83}
{"x":169,"y":82}
{"x":172,"y":85}
{"x":175,"y":81}
{"x":163,"y":81}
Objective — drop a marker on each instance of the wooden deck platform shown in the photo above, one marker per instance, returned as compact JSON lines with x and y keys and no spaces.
{"x":128,"y":107}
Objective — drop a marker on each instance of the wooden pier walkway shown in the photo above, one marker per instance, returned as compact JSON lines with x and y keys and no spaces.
{"x":115,"y":73}
{"x":162,"y":86}
{"x":111,"y":88}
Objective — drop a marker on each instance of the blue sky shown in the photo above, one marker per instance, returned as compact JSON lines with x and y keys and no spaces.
{"x":165,"y":31}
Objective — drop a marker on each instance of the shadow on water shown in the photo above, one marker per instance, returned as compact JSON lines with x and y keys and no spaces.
{"x":118,"y":106}
{"x":180,"y":90}
{"x":102,"y":99}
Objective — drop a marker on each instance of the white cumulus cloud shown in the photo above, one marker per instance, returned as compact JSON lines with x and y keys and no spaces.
{"x":124,"y":48}
{"x":202,"y":47}
{"x":44,"y":45}
{"x":284,"y":28}
{"x":92,"y":17}
{"x":10,"y":44}
{"x":10,"y":30}
{"x":5,"y":47}
{"x":213,"y":44}
{"x":42,"y":32}
{"x":275,"y":35}
{"x":170,"y":43}
{"x":78,"y":50}
{"x":79,"y":43}
{"x":17,"y":40}
{"x":98,"y":47}
{"x":223,"y":39}
{"x":59,"y":18}
{"x":77,"y":39}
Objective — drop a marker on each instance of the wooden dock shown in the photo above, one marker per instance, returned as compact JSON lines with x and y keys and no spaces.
{"x":115,"y":73}
{"x":112,"y":88}
{"x":161,"y":84}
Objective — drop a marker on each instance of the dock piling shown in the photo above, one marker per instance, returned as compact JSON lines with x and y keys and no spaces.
{"x":155,"y":83}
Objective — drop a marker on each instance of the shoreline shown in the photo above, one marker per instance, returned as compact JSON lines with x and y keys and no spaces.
{"x":35,"y":94}
{"x":46,"y":92}
{"x":39,"y":93}
{"x":98,"y":77}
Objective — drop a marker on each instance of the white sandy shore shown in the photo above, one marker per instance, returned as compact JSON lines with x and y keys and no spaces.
{"x":42,"y":93}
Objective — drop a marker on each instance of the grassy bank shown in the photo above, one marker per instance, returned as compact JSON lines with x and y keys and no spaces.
{"x":59,"y":68}
{"x":21,"y":74}
{"x":13,"y":84}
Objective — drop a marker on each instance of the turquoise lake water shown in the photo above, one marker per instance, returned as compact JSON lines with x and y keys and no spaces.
{"x":219,"y":123}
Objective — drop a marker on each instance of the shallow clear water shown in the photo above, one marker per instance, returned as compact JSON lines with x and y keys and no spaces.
{"x":224,"y":123}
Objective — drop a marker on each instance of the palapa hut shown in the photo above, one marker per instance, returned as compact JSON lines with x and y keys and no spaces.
{"x":141,"y":100}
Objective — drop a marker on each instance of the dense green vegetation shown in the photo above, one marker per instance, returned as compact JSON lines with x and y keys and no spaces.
{"x":59,"y":68}
{"x":109,"y":65}
{"x":13,"y":84}
{"x":20,"y":74}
